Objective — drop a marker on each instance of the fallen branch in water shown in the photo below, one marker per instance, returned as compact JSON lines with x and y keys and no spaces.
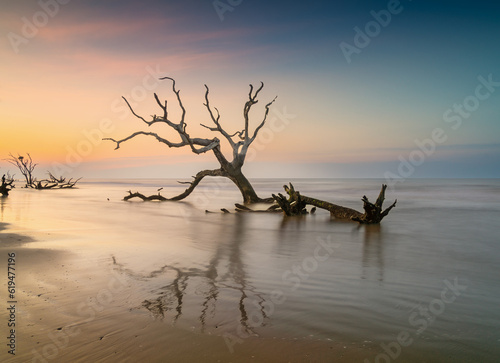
{"x":295,"y":205}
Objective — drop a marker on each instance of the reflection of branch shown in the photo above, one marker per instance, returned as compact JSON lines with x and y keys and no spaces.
{"x":173,"y":291}
{"x":211,"y":296}
{"x":227,"y":256}
{"x":238,"y":274}
{"x":213,"y":292}
{"x":179,"y":285}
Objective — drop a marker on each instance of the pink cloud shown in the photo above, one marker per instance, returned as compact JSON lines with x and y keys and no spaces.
{"x":103,"y":28}
{"x":150,"y":29}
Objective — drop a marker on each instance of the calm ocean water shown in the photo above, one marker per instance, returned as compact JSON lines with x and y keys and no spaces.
{"x":429,"y":274}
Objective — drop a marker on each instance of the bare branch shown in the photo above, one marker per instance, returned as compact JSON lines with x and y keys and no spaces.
{"x":207,"y":144}
{"x":177,"y":93}
{"x":257,"y":92}
{"x":192,"y":186}
{"x":143,"y":197}
{"x":164,"y":108}
{"x":25,"y":166}
{"x":386,"y":212}
{"x":136,"y":115}
{"x":210,"y":128}
{"x":263,"y":121}
{"x":252,"y":100}
{"x":216,"y":120}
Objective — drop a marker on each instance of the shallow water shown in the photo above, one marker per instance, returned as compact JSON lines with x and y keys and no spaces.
{"x":430,"y":270}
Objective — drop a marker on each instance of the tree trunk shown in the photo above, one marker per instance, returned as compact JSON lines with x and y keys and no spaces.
{"x":246,"y":189}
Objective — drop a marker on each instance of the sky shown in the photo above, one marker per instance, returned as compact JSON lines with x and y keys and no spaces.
{"x":372,"y":89}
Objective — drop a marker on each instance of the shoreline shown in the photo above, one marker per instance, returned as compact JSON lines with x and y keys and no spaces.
{"x":71,"y":308}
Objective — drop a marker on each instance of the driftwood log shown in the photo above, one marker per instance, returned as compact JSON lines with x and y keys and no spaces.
{"x":296,"y":203}
{"x":272,"y":209}
{"x":158,"y":197}
{"x":6,"y":185}
{"x":53,"y":182}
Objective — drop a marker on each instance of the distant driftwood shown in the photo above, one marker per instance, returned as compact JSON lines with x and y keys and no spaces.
{"x":6,"y":185}
{"x":26,"y":166}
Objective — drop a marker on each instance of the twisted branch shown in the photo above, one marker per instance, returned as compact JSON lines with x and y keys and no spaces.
{"x":197,"y":179}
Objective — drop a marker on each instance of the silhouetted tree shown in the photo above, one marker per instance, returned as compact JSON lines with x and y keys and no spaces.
{"x":26,"y":166}
{"x":239,"y":141}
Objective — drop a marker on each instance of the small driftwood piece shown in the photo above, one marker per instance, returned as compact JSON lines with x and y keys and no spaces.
{"x":272,"y":209}
{"x":143,"y":197}
{"x":295,"y":205}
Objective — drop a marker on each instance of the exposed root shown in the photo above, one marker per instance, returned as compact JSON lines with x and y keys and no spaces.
{"x":295,"y":205}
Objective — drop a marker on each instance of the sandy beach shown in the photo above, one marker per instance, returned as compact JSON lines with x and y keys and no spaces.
{"x":72,"y":308}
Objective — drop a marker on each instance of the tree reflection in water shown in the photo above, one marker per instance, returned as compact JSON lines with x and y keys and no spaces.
{"x":373,"y":253}
{"x":216,"y":284}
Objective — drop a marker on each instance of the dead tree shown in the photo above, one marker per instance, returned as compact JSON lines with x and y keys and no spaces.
{"x":7,"y":185}
{"x":239,"y":141}
{"x":25,"y":166}
{"x":295,"y":205}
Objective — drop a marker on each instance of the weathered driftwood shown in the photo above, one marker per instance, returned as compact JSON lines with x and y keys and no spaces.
{"x":26,"y":166}
{"x":272,"y":209}
{"x":145,"y":198}
{"x":295,"y":205}
{"x":239,"y":141}
{"x":7,"y":185}
{"x":53,"y":182}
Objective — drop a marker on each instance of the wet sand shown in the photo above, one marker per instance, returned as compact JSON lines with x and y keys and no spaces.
{"x":74,"y":308}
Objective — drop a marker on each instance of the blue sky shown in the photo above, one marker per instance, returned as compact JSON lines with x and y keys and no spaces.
{"x":363,"y":115}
